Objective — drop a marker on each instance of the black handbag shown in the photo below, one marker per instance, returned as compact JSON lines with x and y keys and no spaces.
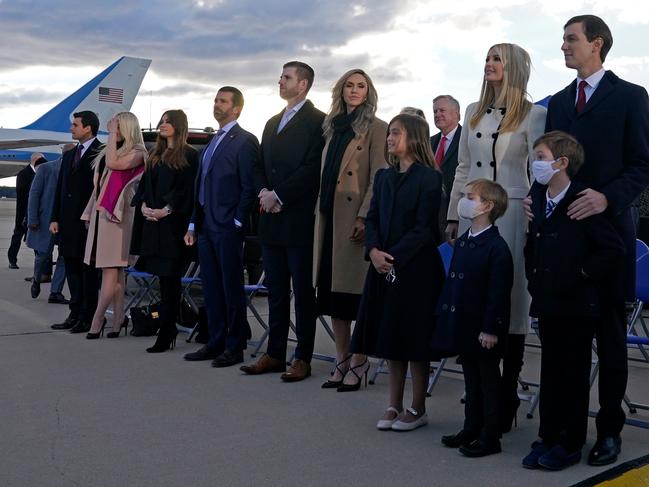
{"x":145,"y":320}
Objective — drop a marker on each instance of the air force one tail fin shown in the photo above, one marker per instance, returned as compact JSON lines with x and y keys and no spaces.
{"x":111,"y":91}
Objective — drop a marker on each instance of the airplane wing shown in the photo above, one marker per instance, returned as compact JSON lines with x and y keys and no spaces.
{"x":23,"y":143}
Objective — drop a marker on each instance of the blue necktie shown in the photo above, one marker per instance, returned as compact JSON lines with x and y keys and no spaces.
{"x":205,"y":163}
{"x":549,"y":208}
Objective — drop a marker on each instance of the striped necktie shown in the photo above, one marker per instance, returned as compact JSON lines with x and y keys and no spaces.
{"x":549,"y":208}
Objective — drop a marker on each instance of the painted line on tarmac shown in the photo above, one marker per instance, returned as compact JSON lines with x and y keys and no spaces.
{"x":634,"y":473}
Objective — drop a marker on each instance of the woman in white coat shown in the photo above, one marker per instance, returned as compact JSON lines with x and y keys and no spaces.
{"x":498,"y":145}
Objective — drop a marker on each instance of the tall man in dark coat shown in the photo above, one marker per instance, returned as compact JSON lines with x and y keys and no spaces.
{"x":73,"y":190}
{"x":222,"y":200}
{"x":287,"y":182}
{"x":610,"y":118}
{"x":445,"y":143}
{"x":23,"y":183}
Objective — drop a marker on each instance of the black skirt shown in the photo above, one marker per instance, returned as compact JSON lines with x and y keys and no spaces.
{"x":396,"y":319}
{"x":340,"y":306}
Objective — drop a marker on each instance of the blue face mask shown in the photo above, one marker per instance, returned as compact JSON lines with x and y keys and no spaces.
{"x":543,"y":171}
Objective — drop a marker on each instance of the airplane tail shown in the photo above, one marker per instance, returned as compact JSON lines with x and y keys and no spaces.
{"x":111,"y":91}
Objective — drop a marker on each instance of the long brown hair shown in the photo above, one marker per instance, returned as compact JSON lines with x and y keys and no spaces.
{"x":171,"y":156}
{"x":417,"y":137}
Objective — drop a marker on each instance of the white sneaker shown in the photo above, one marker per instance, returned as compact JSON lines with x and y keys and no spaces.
{"x":386,"y":424}
{"x":422,"y":420}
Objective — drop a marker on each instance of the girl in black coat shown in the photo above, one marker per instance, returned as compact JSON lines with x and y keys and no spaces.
{"x":396,"y":315}
{"x":165,"y":197}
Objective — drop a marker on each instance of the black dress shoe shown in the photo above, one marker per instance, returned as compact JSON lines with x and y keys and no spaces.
{"x":66,"y":325}
{"x":57,"y":298}
{"x":13,"y":265}
{"x":202,"y":353}
{"x":36,"y":289}
{"x":458,"y":439}
{"x":228,"y":359}
{"x":81,"y":327}
{"x":477,"y":448}
{"x":605,"y":451}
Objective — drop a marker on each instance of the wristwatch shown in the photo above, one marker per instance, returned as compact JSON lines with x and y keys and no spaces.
{"x":167,"y":209}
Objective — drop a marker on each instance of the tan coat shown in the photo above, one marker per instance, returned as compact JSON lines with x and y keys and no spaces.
{"x":113,"y":236}
{"x":512,"y":151}
{"x":362,"y":158}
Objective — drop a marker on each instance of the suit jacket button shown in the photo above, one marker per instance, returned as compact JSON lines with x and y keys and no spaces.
{"x":444,"y":307}
{"x":538,"y":234}
{"x":479,"y":164}
{"x":492,"y":164}
{"x":349,"y":198}
{"x":488,"y":110}
{"x":452,"y":275}
{"x":338,"y":182}
{"x":360,"y":147}
{"x":472,"y":245}
{"x":478,"y":134}
{"x":460,"y":275}
{"x":461,"y":244}
{"x":349,"y":173}
{"x":452,"y":308}
{"x":533,"y":271}
{"x":494,"y":136}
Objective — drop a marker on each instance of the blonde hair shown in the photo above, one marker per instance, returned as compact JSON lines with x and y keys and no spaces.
{"x":513,"y":94}
{"x":489,"y":190}
{"x":129,"y":128}
{"x":365,"y":112}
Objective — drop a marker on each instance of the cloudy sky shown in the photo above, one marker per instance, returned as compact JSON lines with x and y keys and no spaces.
{"x":413,"y":49}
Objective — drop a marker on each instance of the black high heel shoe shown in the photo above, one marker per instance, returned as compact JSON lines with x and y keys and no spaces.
{"x":115,"y":334}
{"x":335,"y":384}
{"x":165,"y":341}
{"x":94,"y":336}
{"x":509,"y":415}
{"x":356,"y":386}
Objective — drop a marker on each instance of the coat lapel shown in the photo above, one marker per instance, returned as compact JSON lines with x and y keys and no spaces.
{"x":227,"y":138}
{"x":604,"y":89}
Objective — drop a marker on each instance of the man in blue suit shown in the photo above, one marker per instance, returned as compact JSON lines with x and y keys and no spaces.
{"x":610,"y":118}
{"x":224,"y":195}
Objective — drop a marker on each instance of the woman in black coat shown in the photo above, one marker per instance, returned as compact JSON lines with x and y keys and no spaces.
{"x":396,"y":315}
{"x":165,"y":197}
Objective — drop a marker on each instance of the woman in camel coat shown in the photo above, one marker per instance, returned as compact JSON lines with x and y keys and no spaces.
{"x":354,"y":151}
{"x":118,"y":169}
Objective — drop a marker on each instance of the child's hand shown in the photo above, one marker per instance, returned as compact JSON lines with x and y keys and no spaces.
{"x":382,"y":261}
{"x":487,"y":341}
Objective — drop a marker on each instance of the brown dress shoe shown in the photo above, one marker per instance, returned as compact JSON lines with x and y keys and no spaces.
{"x":299,"y":370}
{"x":265,"y":364}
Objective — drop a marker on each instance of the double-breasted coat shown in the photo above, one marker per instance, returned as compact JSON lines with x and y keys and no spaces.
{"x":362,"y":158}
{"x":503,"y":158}
{"x":476,"y":296}
{"x":571,"y":264}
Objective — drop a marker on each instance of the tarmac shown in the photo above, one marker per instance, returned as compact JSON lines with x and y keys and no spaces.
{"x":106,"y":413}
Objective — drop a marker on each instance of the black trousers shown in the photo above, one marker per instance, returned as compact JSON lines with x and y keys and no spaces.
{"x":221,"y":257}
{"x":83,"y":282}
{"x":610,"y":331}
{"x":565,"y":379}
{"x":14,"y":246}
{"x":283,"y":265}
{"x":170,"y":292}
{"x":482,"y":404}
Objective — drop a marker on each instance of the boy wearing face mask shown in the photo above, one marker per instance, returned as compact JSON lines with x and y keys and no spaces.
{"x":571,"y":267}
{"x":474,"y":311}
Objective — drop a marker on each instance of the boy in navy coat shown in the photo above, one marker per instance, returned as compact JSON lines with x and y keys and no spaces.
{"x":573,"y":269}
{"x":474,"y":315}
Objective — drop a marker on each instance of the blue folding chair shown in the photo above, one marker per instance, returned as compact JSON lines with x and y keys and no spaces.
{"x":641,"y":249}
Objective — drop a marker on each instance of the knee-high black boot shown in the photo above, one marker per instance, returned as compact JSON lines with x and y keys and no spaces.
{"x":512,"y":365}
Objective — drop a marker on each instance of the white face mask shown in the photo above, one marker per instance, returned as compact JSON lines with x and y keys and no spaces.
{"x":468,"y":209}
{"x":542,"y":171}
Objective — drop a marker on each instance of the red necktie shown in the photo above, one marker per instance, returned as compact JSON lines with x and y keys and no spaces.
{"x":441,"y":149}
{"x":581,"y":97}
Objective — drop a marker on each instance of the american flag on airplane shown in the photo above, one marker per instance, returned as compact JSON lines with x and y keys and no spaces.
{"x":111,"y":95}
